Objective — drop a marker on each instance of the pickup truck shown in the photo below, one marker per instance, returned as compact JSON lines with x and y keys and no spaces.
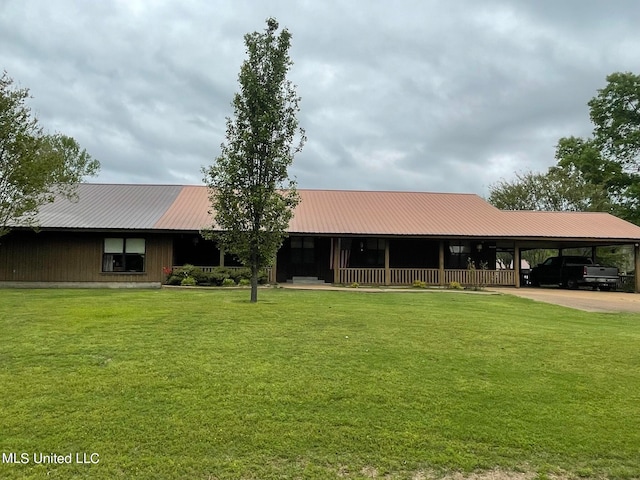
{"x":573,"y":272}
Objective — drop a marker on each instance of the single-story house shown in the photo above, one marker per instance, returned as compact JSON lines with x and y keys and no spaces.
{"x":132,"y":234}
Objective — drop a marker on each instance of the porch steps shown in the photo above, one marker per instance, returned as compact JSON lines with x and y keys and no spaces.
{"x":306,"y":281}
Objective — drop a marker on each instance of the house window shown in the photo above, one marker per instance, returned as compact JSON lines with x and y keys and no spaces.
{"x":123,"y":255}
{"x":302,"y":250}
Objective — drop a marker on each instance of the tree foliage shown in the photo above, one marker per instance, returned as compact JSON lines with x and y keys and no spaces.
{"x":614,"y":187}
{"x":615,"y":113}
{"x":559,"y":189}
{"x":34,"y":166}
{"x":251,"y":193}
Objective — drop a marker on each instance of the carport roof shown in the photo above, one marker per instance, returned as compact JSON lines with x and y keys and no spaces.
{"x":331,"y":212}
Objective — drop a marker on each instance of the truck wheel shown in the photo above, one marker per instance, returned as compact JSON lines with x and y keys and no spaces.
{"x":572,"y":284}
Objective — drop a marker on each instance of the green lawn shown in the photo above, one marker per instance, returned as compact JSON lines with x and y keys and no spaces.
{"x":201,"y":384}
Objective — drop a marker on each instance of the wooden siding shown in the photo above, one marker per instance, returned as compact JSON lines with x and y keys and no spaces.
{"x":75,"y":257}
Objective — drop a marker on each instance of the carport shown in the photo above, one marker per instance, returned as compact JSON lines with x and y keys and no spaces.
{"x":568,"y":230}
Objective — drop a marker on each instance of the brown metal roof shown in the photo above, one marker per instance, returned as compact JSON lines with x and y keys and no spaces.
{"x":354,"y":212}
{"x":332,"y":212}
{"x":391,"y":213}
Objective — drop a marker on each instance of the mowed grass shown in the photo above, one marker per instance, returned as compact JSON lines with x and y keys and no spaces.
{"x":201,"y":384}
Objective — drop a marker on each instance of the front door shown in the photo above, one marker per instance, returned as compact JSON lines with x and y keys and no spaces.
{"x":303,"y":257}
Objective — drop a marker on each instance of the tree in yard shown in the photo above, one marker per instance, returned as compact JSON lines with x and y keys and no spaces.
{"x":34,"y":166}
{"x":251,"y":194}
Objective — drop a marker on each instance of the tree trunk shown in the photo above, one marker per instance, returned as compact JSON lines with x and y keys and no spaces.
{"x":254,"y":257}
{"x":254,"y":283}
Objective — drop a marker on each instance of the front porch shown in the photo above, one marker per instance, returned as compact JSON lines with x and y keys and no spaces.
{"x":386,"y":261}
{"x":368,"y":260}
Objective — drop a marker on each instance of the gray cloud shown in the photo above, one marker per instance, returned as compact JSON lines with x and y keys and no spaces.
{"x":433,"y":96}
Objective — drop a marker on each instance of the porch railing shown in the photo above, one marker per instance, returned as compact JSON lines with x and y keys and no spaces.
{"x":430,"y":276}
{"x":480,"y":277}
{"x":406,"y":276}
{"x":364,"y":276}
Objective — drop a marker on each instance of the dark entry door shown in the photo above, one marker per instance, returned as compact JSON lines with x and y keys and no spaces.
{"x":303,"y":257}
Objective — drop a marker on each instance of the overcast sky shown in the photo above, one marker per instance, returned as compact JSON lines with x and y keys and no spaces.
{"x":443,"y":96}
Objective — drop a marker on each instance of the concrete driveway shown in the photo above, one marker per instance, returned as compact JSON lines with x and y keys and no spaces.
{"x":586,"y":300}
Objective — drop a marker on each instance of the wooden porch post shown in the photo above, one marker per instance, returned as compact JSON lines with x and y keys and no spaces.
{"x":441,"y":263}
{"x":336,"y":260}
{"x":516,"y":263}
{"x":221,"y":263}
{"x":636,"y":251}
{"x":387,"y":270}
